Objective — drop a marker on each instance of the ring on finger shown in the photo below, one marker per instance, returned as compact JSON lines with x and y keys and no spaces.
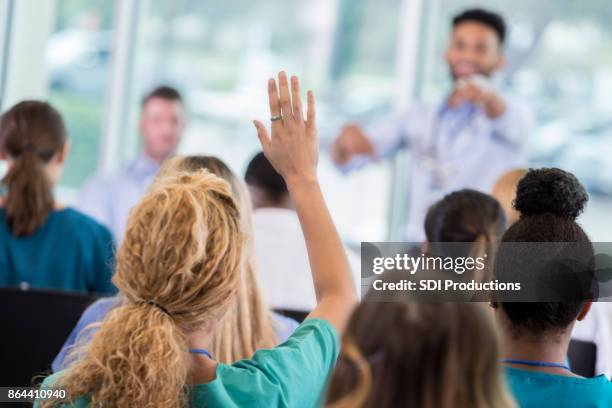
{"x":275,"y":118}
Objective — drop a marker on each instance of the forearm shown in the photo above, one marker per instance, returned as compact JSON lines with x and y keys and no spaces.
{"x":514,"y":126}
{"x":330,"y":269}
{"x":293,"y":151}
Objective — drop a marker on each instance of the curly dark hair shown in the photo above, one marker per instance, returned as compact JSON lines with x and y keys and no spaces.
{"x":549,"y":200}
{"x":550,"y":190}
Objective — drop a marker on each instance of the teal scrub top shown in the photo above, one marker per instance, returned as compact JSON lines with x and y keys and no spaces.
{"x":70,"y":251}
{"x":533,"y":389}
{"x":293,"y":374}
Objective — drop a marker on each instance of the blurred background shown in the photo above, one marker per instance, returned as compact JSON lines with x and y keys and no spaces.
{"x":95,"y":59}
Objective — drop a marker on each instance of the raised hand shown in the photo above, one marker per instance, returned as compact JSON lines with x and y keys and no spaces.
{"x":292,"y":147}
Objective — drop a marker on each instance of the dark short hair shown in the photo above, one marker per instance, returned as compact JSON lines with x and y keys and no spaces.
{"x":464,"y":216}
{"x":261,"y":174}
{"x":488,"y":18}
{"x":163,"y":92}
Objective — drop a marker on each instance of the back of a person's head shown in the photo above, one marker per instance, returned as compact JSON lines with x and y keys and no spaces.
{"x":31,"y":133}
{"x":178,"y":269}
{"x":465,"y":216}
{"x":261,"y":174}
{"x":549,"y":201}
{"x":248,"y":325}
{"x":504,"y":191}
{"x":402,"y":353}
{"x":216,"y":166}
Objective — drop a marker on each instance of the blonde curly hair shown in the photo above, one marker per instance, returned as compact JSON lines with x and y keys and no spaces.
{"x":248,"y":324}
{"x":178,"y":270}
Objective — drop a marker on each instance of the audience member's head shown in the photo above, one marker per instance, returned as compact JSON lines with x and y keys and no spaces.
{"x":179,"y":270}
{"x":401,"y":353}
{"x":476,"y":44}
{"x":504,"y":191}
{"x":216,"y":166}
{"x":464,"y":216}
{"x":162,"y":122}
{"x":549,"y":201}
{"x":247,"y":326}
{"x":33,"y":140}
{"x":267,"y":187}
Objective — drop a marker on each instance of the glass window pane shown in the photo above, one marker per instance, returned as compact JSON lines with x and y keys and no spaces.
{"x":220,"y":54}
{"x":78,"y":64}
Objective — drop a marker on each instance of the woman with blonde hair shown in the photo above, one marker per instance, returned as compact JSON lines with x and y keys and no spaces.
{"x":399,"y":352}
{"x":179,"y":270}
{"x":247,"y":326}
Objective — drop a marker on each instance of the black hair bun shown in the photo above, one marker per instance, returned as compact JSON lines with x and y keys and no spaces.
{"x":550,"y":191}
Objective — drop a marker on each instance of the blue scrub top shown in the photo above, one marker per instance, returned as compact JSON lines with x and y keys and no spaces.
{"x":70,"y":251}
{"x":533,"y":389}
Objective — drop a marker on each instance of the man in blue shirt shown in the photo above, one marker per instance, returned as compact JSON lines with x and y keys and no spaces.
{"x":467,"y":141}
{"x":108,"y":198}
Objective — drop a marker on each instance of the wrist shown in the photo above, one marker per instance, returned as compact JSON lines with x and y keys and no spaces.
{"x":298,"y":182}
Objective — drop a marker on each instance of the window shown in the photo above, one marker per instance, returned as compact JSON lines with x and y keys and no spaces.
{"x":220,"y":54}
{"x":78,"y":57}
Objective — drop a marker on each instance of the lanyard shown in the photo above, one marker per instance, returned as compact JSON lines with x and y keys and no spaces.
{"x":200,"y":351}
{"x":536,"y":363}
{"x":436,"y":135}
{"x":438,"y":168}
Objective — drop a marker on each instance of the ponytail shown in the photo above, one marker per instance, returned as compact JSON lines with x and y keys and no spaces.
{"x":179,"y":269}
{"x":29,"y":197}
{"x":31,"y":133}
{"x":146,"y":365}
{"x":247,"y":326}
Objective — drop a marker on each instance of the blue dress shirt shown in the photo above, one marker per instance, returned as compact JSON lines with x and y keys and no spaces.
{"x":451,"y":149}
{"x":108,"y":198}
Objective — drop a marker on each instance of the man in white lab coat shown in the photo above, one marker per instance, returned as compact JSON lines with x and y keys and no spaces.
{"x":468,"y":140}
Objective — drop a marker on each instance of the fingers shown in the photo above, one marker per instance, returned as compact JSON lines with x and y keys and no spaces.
{"x":275,"y":108}
{"x":311,"y":113}
{"x":296,"y":98}
{"x":262,"y":134}
{"x":341,"y":148}
{"x":285,"y":99}
{"x":286,"y":102}
{"x":455,"y":99}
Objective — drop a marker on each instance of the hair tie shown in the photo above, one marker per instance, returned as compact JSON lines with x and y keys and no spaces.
{"x":27,"y":149}
{"x":157,"y":305}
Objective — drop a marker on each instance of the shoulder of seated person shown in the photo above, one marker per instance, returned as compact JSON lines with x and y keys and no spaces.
{"x":84,"y":221}
{"x":108,"y":179}
{"x":52,"y":379}
{"x":103,"y":306}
